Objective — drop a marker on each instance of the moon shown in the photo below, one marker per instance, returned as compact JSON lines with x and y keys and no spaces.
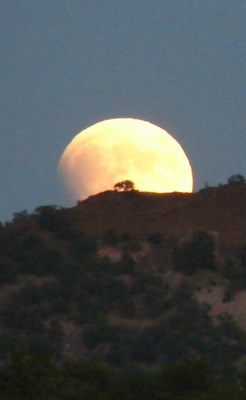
{"x":124,"y":149}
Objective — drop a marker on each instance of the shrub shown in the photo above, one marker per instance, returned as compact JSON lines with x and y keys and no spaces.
{"x":195,"y":254}
{"x":111,"y":238}
{"x":238,"y":178}
{"x":155,"y":238}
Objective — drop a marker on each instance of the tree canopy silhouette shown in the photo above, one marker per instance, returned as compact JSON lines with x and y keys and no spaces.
{"x":124,"y":186}
{"x":238,"y":178}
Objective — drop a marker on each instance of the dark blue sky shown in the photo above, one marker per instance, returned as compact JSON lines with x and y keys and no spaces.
{"x":68,"y":64}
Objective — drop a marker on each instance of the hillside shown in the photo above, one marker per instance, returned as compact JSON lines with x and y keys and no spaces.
{"x":121,"y":277}
{"x":220,"y":210}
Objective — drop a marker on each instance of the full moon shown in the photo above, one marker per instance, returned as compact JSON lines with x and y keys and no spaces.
{"x":124,"y":149}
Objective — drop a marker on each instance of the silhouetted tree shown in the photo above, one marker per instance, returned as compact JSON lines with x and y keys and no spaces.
{"x":238,"y":178}
{"x":53,"y":219}
{"x":22,"y":216}
{"x":124,"y":186}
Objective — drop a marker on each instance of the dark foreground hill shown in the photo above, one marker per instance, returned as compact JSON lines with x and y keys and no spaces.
{"x":130,"y":280}
{"x":220,"y":210}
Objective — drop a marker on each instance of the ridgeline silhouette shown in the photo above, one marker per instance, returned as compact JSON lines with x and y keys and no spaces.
{"x":130,"y":280}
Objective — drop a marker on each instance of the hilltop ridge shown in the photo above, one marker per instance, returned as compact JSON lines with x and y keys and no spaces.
{"x":121,"y":277}
{"x":221,"y":210}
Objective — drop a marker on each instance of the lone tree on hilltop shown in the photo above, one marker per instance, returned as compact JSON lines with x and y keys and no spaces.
{"x":238,"y":178}
{"x":124,"y":186}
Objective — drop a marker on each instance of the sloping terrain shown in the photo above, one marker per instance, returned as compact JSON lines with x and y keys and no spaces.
{"x":220,"y":210}
{"x":132,"y":278}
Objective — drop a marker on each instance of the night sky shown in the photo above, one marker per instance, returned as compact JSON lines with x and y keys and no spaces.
{"x":66,"y":65}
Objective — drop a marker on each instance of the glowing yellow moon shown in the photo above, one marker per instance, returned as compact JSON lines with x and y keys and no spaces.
{"x":124,"y":148}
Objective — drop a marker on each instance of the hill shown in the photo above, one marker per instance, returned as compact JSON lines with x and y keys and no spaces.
{"x":219,"y":209}
{"x":129,"y":279}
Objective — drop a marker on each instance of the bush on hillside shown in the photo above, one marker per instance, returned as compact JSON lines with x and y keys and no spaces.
{"x":198,"y":253}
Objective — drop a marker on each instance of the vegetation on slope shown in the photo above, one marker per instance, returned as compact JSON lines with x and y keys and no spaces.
{"x":129,"y":302}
